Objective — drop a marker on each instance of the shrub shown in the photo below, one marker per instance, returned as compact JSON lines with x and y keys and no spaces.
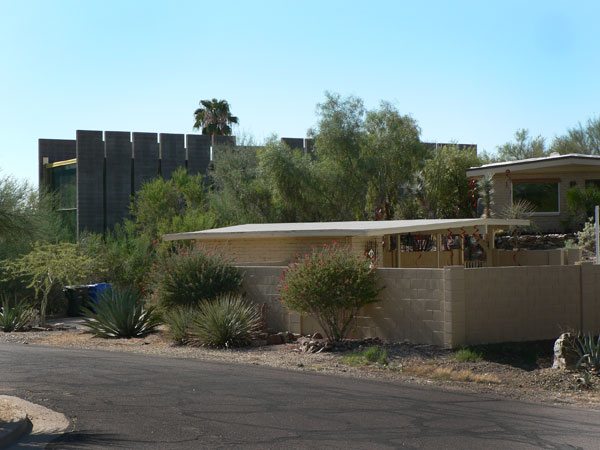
{"x":179,"y":321}
{"x":331,"y":285}
{"x":586,"y":238}
{"x":118,"y":313}
{"x":369,"y":356}
{"x":17,"y":318}
{"x":467,"y":354}
{"x":588,"y":349}
{"x":187,"y":277}
{"x":226,"y":322}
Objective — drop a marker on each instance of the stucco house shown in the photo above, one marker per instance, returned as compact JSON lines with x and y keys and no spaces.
{"x":543,"y":182}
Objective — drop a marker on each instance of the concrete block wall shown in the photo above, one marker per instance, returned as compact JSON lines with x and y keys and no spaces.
{"x":521,"y":303}
{"x":454,"y":306}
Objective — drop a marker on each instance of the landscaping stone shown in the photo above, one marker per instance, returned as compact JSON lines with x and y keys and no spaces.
{"x":312,"y":345}
{"x":564,"y":355}
{"x":275,"y":339}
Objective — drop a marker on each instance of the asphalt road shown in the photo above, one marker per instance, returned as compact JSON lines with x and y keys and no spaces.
{"x":124,"y":400}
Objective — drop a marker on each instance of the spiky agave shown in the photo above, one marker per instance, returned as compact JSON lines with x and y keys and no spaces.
{"x":16,"y":318}
{"x":227,"y":321}
{"x":119,"y":314}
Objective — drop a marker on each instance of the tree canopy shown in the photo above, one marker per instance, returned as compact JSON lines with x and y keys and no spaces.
{"x":214,"y":118}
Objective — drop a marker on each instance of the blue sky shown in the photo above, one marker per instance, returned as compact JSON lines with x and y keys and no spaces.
{"x":473,"y":72}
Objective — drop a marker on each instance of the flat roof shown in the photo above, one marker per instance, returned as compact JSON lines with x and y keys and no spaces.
{"x":536,"y":163}
{"x":346,"y":229}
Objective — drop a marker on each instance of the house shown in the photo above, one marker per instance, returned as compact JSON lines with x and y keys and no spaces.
{"x":395,"y":243}
{"x":543,"y":182}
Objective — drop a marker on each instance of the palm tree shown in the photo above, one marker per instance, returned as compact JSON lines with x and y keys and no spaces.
{"x":214,"y":118}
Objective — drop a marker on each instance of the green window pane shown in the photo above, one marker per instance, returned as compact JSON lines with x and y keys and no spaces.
{"x":542,"y":195}
{"x":64,"y":184}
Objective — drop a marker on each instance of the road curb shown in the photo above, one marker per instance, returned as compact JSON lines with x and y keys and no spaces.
{"x":11,"y":431}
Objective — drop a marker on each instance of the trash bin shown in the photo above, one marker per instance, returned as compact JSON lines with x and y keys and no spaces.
{"x":95,"y":290}
{"x":85,"y":295}
{"x":77,"y":297}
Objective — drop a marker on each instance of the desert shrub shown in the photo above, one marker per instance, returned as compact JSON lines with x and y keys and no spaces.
{"x":588,"y":349}
{"x":179,"y":321}
{"x":189,"y":276}
{"x":330,"y":284}
{"x":118,"y":313}
{"x":368,"y":356}
{"x":586,"y":238}
{"x":227,"y":321}
{"x":581,"y":203}
{"x":16,"y":318}
{"x":466,"y":354}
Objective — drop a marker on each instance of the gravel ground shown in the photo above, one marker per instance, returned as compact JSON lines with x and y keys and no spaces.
{"x":418,"y":364}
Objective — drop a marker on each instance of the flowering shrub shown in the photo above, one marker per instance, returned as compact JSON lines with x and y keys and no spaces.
{"x":330,"y":284}
{"x":188,"y":276}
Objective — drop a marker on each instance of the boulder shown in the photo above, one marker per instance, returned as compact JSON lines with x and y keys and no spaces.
{"x":565,"y":356}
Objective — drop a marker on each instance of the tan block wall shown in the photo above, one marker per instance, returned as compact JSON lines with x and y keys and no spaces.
{"x":273,"y":251}
{"x":521,"y":303}
{"x":428,"y":259}
{"x":502,"y":195}
{"x":455,"y":306}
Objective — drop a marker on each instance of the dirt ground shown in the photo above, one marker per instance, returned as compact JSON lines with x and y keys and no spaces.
{"x":517,"y":371}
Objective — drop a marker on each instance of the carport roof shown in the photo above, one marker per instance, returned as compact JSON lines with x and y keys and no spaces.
{"x":347,"y":229}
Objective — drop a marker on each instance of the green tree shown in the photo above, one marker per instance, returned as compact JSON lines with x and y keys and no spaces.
{"x":214,"y":118}
{"x":368,"y":156}
{"x":51,"y":265}
{"x":448,"y":193}
{"x":523,"y":147}
{"x":580,"y":139}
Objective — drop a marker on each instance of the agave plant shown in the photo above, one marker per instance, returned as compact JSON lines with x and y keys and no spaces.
{"x":227,"y":321}
{"x":179,"y":321}
{"x":118,"y":313}
{"x":588,"y":349}
{"x":16,"y":318}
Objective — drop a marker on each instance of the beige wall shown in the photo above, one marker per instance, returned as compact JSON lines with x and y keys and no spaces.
{"x":549,"y":222}
{"x":455,"y":306}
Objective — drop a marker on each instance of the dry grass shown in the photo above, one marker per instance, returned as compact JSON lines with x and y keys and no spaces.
{"x":450,"y":374}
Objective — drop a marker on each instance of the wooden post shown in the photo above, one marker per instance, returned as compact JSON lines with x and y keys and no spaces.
{"x":438,"y":246}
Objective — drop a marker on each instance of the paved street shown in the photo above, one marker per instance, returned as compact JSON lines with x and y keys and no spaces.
{"x":124,"y":400}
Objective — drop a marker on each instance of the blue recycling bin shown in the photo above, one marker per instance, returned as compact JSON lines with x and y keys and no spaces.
{"x":95,"y":290}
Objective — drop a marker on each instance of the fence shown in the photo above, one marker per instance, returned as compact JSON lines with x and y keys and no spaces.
{"x":456,"y":306}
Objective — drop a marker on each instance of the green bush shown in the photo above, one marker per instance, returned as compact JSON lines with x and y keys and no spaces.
{"x":16,"y":318}
{"x":119,"y":314}
{"x":226,"y":322}
{"x":588,"y":349}
{"x":179,"y":321}
{"x":586,"y":238}
{"x":368,"y":356}
{"x":330,"y":284}
{"x":187,"y":277}
{"x":467,"y":354}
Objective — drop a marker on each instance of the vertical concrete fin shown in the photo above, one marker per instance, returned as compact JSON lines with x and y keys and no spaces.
{"x":145,"y":159}
{"x":118,"y":176}
{"x":172,"y":153}
{"x":90,"y":182}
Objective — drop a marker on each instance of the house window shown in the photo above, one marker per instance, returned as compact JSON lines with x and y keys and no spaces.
{"x":543,"y":195}
{"x":592,"y":184}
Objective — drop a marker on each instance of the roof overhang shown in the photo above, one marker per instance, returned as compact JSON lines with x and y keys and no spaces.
{"x":536,"y":164}
{"x":348,"y":229}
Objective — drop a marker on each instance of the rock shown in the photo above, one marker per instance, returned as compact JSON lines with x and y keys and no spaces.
{"x":565,"y":356}
{"x":275,"y":339}
{"x":317,"y":335}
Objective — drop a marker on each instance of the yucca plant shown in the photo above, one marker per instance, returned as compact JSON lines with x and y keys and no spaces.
{"x":179,"y":321}
{"x":119,"y":314}
{"x":227,"y":321}
{"x":16,"y":318}
{"x":588,"y":349}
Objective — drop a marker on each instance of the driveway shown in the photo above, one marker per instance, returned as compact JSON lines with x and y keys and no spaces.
{"x":124,"y":400}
